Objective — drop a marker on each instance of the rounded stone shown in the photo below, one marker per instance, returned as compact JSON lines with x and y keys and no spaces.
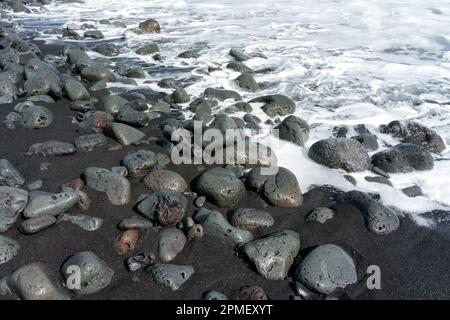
{"x":247,"y":82}
{"x":221,"y":187}
{"x":8,"y":249}
{"x":150,"y":26}
{"x":50,"y":204}
{"x":34,"y":225}
{"x":320,"y":215}
{"x":251,"y":219}
{"x":95,"y":274}
{"x":293,"y":129}
{"x":276,"y":105}
{"x":170,"y":275}
{"x":340,"y":153}
{"x":283,"y":190}
{"x":76,"y":91}
{"x":326,"y":268}
{"x":96,"y":73}
{"x":171,"y":242}
{"x":165,"y":179}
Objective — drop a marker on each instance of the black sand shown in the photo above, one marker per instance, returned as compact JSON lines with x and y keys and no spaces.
{"x":414,"y":261}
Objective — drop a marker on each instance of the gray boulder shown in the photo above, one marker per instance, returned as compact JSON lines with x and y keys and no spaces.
{"x":50,"y":204}
{"x":274,"y":254}
{"x":221,"y":187}
{"x":34,"y":117}
{"x":147,"y":49}
{"x":326,"y":268}
{"x":320,"y":215}
{"x":170,"y":275}
{"x":294,"y":129}
{"x":404,"y":157}
{"x":150,"y":26}
{"x":247,"y":82}
{"x":51,"y":148}
{"x":340,"y":153}
{"x":96,"y":73}
{"x":164,"y":179}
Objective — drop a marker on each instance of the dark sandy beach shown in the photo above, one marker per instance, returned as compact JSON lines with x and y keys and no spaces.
{"x":414,"y":260}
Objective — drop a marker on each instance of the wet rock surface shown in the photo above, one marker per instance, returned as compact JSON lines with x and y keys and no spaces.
{"x":164,"y":179}
{"x":326,"y":268}
{"x":251,"y":219}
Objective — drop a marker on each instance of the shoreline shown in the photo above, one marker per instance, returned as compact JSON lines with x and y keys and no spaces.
{"x":404,"y":256}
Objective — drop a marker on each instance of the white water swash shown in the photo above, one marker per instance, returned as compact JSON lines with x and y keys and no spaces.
{"x":344,"y":62}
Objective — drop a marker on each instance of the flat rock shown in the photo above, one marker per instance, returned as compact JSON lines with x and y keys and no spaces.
{"x":116,"y":186}
{"x":222,"y":95}
{"x":85,"y":222}
{"x":135,"y":222}
{"x":51,"y":148}
{"x":88,"y":142}
{"x":274,"y":254}
{"x":50,"y":204}
{"x":95,"y":273}
{"x":326,"y":268}
{"x":140,"y":162}
{"x":96,"y":73}
{"x":251,"y":219}
{"x":170,"y":275}
{"x":33,"y":282}
{"x":34,"y":225}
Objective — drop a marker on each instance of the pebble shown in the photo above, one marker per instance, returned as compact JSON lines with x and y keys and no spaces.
{"x":8,"y":249}
{"x":200,"y":201}
{"x":164,"y":179}
{"x":251,"y":219}
{"x":140,"y":162}
{"x":252,"y":293}
{"x":167,"y":207}
{"x":33,"y":282}
{"x":36,"y":185}
{"x":126,"y":242}
{"x":283,"y":190}
{"x":34,"y":117}
{"x":135,"y":222}
{"x":9,"y":175}
{"x":76,"y":91}
{"x":276,"y":105}
{"x":34,"y":225}
{"x":171,"y":242}
{"x":274,"y":254}
{"x":326,"y":268}
{"x":85,"y":222}
{"x":95,"y":274}
{"x":170,"y":275}
{"x":196,"y":231}
{"x":320,"y":215}
{"x":51,"y":148}
{"x":150,"y":26}
{"x":50,"y":204}
{"x":217,"y":226}
{"x":116,"y":186}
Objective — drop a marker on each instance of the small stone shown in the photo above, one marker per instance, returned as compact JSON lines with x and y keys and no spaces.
{"x":320,"y":215}
{"x":170,"y":275}
{"x":36,"y":185}
{"x":340,"y":153}
{"x":9,"y":175}
{"x":95,"y":274}
{"x":378,"y":179}
{"x":34,"y":225}
{"x":178,"y":96}
{"x":171,"y":242}
{"x":200,"y":201}
{"x":239,"y":55}
{"x":150,"y":26}
{"x":95,"y":34}
{"x":85,"y":222}
{"x":147,"y":49}
{"x":96,"y":73}
{"x":413,"y":191}
{"x":251,"y":219}
{"x":51,"y":148}
{"x":196,"y":231}
{"x":164,"y":179}
{"x":125,"y":134}
{"x":247,"y":82}
{"x":126,"y":242}
{"x":294,"y":129}
{"x":167,"y":207}
{"x":326,"y":268}
{"x":274,"y":254}
{"x":8,"y":249}
{"x":33,"y":282}
{"x":107,"y":49}
{"x":73,"y":185}
{"x":276,"y":105}
{"x":34,"y":117}
{"x":135,"y":222}
{"x":116,"y":186}
{"x":217,"y":226}
{"x":113,"y":103}
{"x":50,"y":204}
{"x":140,"y":261}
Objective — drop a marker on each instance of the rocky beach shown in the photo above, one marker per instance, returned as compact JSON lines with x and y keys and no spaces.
{"x":94,"y":203}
